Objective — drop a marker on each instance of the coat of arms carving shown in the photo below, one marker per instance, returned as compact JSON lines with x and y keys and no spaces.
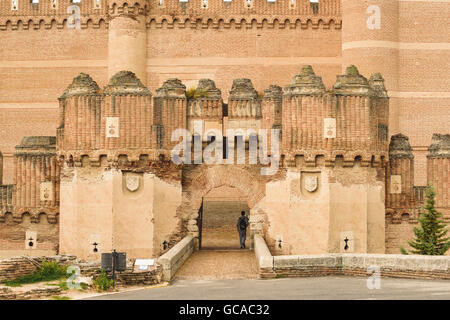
{"x":132,"y":182}
{"x":46,"y":191}
{"x":311,"y":183}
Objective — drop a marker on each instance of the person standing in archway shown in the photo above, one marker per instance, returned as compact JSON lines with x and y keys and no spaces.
{"x":242,"y":225}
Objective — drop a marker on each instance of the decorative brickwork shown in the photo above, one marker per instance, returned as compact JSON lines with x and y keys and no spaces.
{"x":352,"y":104}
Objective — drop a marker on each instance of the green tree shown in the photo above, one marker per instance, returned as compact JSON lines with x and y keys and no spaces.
{"x":430,"y":236}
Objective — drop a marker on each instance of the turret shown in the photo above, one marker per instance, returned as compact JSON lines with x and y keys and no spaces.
{"x":127,"y":40}
{"x":79,"y":115}
{"x":115,"y":121}
{"x":272,"y":107}
{"x":344,"y":121}
{"x":205,"y":108}
{"x":170,"y":110}
{"x":370,"y":41}
{"x":400,"y":173}
{"x":244,"y":106}
{"x":127,"y":111}
{"x":438,"y":173}
{"x":37,"y":174}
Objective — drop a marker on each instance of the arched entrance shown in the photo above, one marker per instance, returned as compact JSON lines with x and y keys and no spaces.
{"x":219,"y":212}
{"x":202,"y":184}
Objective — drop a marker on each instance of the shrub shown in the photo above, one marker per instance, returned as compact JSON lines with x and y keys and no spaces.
{"x":102,"y":282}
{"x":52,"y":269}
{"x":193,"y":93}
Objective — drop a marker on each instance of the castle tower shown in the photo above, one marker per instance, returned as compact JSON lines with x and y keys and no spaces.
{"x":95,"y":124}
{"x":376,"y":82}
{"x":244,"y":106}
{"x":303,"y":98}
{"x":400,"y":173}
{"x":127,"y":39}
{"x":271,"y":108}
{"x":438,"y":172}
{"x":170,"y":110}
{"x":128,"y":114}
{"x":205,"y":109}
{"x":370,"y":41}
{"x":37,"y":175}
{"x":107,"y":135}
{"x":79,"y":116}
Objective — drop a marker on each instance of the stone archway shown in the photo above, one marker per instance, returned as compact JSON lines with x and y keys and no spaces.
{"x":199,"y":180}
{"x":221,"y":208}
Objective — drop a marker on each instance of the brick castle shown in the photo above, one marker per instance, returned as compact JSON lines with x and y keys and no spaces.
{"x":87,"y":115}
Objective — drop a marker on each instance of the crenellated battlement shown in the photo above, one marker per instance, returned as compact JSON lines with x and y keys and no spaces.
{"x":344,"y":121}
{"x":346,"y":124}
{"x":128,"y":8}
{"x":219,"y":14}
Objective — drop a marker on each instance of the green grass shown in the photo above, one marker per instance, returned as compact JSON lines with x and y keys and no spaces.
{"x":84,"y":286}
{"x":49,"y":271}
{"x":60,"y":298}
{"x":63,"y":284}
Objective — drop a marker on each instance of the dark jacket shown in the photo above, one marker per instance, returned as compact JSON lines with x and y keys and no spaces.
{"x":238,"y":225}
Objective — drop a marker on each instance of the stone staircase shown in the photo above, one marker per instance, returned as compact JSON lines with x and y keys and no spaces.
{"x":219,"y":264}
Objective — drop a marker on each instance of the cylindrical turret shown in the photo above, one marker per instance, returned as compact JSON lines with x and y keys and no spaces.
{"x":400,"y":173}
{"x":170,"y":110}
{"x":370,"y":41}
{"x":244,"y":106}
{"x":439,"y":168}
{"x":271,"y":107}
{"x":205,"y":105}
{"x":127,"y":42}
{"x":37,"y":173}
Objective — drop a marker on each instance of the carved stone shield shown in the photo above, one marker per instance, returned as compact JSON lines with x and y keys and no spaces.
{"x":132,"y":182}
{"x":311,"y":183}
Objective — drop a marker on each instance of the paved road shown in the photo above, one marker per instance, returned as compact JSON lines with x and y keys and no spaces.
{"x":292,"y":288}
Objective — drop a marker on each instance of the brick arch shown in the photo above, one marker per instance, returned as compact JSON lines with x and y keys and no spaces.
{"x":246,"y":181}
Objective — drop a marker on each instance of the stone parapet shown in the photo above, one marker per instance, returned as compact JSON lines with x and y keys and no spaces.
{"x":173,"y":259}
{"x":263,"y":256}
{"x":396,"y":266}
{"x":349,"y":264}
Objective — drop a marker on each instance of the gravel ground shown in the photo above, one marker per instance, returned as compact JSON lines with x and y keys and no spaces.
{"x":223,"y":264}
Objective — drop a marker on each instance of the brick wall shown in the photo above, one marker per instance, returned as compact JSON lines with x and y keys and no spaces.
{"x":13,"y":231}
